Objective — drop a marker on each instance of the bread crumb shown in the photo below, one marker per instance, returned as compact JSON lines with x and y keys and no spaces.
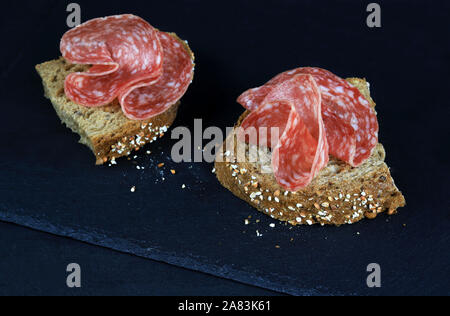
{"x":161,"y":165}
{"x":133,"y":189}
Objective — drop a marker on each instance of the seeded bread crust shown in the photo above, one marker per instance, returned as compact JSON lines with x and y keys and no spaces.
{"x":105,"y":130}
{"x":340,"y":194}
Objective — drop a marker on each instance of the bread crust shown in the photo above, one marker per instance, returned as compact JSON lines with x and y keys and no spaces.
{"x":339,"y":195}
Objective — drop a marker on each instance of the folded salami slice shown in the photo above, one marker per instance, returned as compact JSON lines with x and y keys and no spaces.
{"x":147,"y":70}
{"x":123,"y":50}
{"x":351,"y":124}
{"x":147,"y":100}
{"x":264,"y":126}
{"x":302,"y":151}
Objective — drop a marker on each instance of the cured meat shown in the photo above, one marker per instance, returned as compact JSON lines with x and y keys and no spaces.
{"x":351,"y":124}
{"x":147,"y":70}
{"x":151,"y":100}
{"x":257,"y":128}
{"x":123,"y":50}
{"x":302,"y":151}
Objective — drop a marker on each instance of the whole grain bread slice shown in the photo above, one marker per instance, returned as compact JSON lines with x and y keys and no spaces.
{"x":105,"y":130}
{"x":340,"y":194}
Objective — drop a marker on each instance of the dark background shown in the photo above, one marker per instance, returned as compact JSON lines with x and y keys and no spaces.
{"x":48,"y":181}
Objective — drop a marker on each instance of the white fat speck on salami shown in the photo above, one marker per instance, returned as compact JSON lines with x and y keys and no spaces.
{"x":302,"y":150}
{"x":351,"y":124}
{"x":131,"y":61}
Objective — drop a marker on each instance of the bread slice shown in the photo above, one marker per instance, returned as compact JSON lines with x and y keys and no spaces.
{"x":105,"y":130}
{"x":340,"y":194}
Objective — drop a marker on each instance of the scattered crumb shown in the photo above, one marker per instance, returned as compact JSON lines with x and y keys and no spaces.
{"x":183,"y":186}
{"x":173,"y":171}
{"x":247,"y":222}
{"x":272,"y":225}
{"x":161,"y":165}
{"x":133,"y":189}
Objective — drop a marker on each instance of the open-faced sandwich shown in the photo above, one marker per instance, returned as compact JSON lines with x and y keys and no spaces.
{"x":306,"y":151}
{"x":118,"y":83}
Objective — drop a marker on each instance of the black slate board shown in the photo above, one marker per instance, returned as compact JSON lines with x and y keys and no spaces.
{"x":48,"y":181}
{"x":33,"y":263}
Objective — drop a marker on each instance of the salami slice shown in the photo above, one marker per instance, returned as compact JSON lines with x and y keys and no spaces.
{"x":147,"y":70}
{"x":351,"y":124}
{"x":257,"y":127}
{"x":302,"y":150}
{"x":123,"y":50}
{"x":144,"y":100}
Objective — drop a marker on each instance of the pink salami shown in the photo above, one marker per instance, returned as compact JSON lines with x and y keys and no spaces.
{"x":257,"y":127}
{"x":150,"y":100}
{"x":351,"y":124}
{"x":302,"y":151}
{"x":131,"y":61}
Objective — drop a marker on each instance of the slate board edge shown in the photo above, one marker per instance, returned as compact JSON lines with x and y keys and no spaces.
{"x":125,"y":246}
